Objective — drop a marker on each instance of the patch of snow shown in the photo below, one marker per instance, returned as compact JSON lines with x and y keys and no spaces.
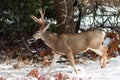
{"x":89,"y":70}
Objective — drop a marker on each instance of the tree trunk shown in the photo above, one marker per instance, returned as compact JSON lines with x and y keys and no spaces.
{"x":64,"y":15}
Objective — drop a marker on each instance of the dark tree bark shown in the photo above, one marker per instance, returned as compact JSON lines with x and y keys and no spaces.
{"x":64,"y":14}
{"x":79,"y":19}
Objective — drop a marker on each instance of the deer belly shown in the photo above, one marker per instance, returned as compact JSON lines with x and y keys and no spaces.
{"x":79,"y":50}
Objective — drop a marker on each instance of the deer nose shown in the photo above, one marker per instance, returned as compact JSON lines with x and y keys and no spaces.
{"x":34,"y":39}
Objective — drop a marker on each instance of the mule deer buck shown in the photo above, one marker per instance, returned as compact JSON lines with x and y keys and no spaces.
{"x":71,"y":44}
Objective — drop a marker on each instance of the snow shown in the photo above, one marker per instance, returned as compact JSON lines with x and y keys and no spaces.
{"x":88,"y":20}
{"x":89,"y":70}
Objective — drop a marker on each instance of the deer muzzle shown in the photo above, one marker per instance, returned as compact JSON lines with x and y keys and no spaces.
{"x":32,"y":40}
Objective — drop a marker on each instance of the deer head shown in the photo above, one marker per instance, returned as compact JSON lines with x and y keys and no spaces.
{"x":40,"y":21}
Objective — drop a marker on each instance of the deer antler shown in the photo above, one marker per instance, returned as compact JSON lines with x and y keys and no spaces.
{"x":42,"y":13}
{"x":40,"y":20}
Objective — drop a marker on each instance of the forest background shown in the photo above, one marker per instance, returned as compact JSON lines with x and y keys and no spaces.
{"x":66,"y":16}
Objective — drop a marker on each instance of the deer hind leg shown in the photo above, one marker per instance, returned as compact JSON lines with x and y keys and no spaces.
{"x":71,"y":58}
{"x":102,"y":52}
{"x":55,"y":58}
{"x":103,"y":58}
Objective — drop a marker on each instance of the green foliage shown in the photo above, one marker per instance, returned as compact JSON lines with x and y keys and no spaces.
{"x":15,"y":17}
{"x":48,"y":6}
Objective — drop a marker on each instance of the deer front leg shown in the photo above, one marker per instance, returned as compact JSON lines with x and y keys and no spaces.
{"x":71,"y":58}
{"x":55,"y":58}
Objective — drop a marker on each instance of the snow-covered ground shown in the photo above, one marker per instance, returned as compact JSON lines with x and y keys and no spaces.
{"x":89,"y":70}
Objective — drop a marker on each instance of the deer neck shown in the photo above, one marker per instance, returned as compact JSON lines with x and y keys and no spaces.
{"x":49,"y":39}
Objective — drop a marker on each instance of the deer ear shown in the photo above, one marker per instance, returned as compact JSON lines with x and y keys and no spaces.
{"x":48,"y":25}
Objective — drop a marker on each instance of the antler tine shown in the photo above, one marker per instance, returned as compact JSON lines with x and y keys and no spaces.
{"x":35,"y":19}
{"x":42,"y":13}
{"x":39,"y":21}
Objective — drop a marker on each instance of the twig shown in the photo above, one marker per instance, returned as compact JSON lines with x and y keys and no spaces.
{"x":28,"y":48}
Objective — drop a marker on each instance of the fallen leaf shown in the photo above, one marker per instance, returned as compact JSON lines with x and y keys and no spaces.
{"x":58,"y":76}
{"x":8,"y":61}
{"x":45,"y":62}
{"x":16,"y":66}
{"x":43,"y":77}
{"x":1,"y":78}
{"x":33,"y":73}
